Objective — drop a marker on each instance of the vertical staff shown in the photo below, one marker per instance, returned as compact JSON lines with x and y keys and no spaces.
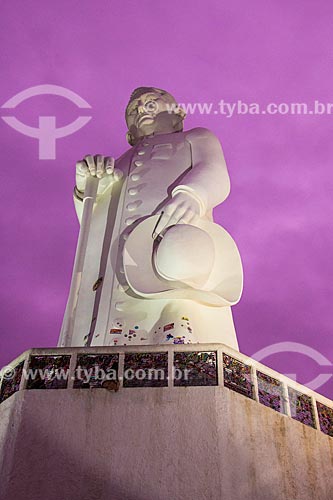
{"x":89,"y":199}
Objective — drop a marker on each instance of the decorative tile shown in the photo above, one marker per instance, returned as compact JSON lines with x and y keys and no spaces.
{"x":301,"y":407}
{"x":178,"y":340}
{"x":270,"y":392}
{"x":195,"y":368}
{"x":325,"y":415}
{"x":170,"y":326}
{"x":11,"y":384}
{"x":94,"y":370}
{"x":146,"y":369}
{"x":237,"y":376}
{"x":48,"y":372}
{"x":116,"y":331}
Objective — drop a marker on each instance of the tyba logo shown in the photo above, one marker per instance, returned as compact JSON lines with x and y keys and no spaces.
{"x":295,"y":347}
{"x":47,"y":133}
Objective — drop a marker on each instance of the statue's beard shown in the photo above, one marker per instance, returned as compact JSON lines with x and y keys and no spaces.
{"x":163,"y":123}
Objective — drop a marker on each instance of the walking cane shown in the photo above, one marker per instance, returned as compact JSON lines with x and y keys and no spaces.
{"x":89,"y":199}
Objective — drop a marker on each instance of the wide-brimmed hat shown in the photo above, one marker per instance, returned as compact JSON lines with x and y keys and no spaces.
{"x":151,"y":264}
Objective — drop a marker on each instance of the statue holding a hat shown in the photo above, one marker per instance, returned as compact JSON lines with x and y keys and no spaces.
{"x":157,"y":269}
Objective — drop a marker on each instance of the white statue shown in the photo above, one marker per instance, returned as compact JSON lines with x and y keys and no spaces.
{"x":157,"y":269}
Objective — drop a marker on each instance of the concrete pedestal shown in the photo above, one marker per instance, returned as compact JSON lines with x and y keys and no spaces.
{"x":177,"y":443}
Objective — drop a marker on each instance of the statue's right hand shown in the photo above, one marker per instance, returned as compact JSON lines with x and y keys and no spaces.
{"x":98,"y":166}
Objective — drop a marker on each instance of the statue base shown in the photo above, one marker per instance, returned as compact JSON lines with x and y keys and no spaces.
{"x":181,"y":441}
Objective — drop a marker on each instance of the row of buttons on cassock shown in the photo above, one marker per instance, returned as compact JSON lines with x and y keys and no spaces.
{"x":132,"y":191}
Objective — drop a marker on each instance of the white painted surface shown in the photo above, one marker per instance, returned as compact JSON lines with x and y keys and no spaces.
{"x":177,"y":169}
{"x":158,"y":444}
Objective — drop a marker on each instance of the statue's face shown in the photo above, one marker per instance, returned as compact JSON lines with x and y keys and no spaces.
{"x":141,"y":113}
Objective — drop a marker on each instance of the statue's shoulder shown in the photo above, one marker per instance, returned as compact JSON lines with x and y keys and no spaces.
{"x":199,"y":133}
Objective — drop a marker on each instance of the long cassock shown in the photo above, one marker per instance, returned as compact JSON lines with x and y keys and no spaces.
{"x":108,"y":311}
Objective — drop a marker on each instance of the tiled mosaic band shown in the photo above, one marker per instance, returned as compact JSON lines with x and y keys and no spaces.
{"x":195,"y":368}
{"x":95,"y":370}
{"x":301,"y":407}
{"x":270,"y":392}
{"x":237,"y":376}
{"x":146,"y":369}
{"x":48,"y":372}
{"x":11,"y":382}
{"x":175,"y":367}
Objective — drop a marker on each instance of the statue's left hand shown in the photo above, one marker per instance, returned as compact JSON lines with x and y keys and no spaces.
{"x":181,"y":209}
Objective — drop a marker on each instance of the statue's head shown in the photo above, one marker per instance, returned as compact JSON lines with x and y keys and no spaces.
{"x":151,"y":110}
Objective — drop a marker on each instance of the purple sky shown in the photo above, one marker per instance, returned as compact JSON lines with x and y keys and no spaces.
{"x":280,"y":207}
